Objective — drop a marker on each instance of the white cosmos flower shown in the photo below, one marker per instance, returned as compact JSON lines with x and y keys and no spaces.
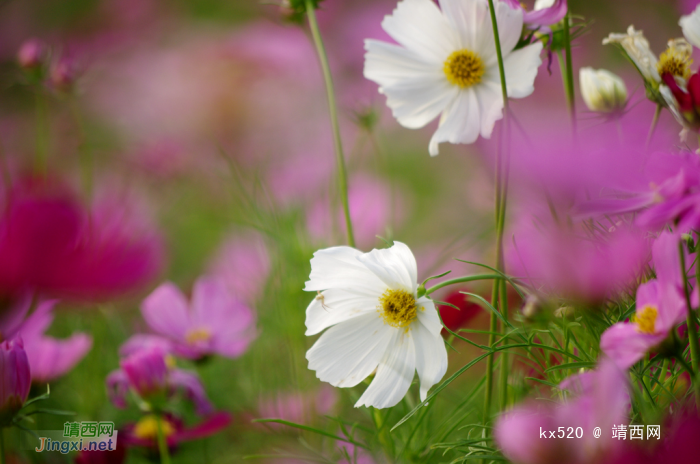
{"x":375,"y":323}
{"x":446,"y":64}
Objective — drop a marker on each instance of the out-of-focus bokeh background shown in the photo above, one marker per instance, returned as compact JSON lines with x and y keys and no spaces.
{"x":209,"y":119}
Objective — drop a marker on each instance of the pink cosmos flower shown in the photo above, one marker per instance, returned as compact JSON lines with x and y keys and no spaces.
{"x":545,"y":12}
{"x":144,"y":432}
{"x":573,"y":263}
{"x":298,"y":407}
{"x":31,"y":53}
{"x":15,"y":379}
{"x":371,"y":211}
{"x":147,"y":373}
{"x":599,"y":399}
{"x":50,"y":243}
{"x":660,"y":308}
{"x":49,"y":357}
{"x":670,"y":196}
{"x":242,"y":263}
{"x":213,"y":322}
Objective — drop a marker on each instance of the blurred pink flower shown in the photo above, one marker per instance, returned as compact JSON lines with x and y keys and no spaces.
{"x":242,"y":263}
{"x":600,"y":399}
{"x":671,"y":195}
{"x":148,"y":374}
{"x":298,"y":407}
{"x":15,"y":379}
{"x":371,"y":210}
{"x":571,"y":262}
{"x":660,"y":307}
{"x":49,"y":357}
{"x":144,"y":432}
{"x":213,"y":322}
{"x":32,"y":53}
{"x":50,"y":243}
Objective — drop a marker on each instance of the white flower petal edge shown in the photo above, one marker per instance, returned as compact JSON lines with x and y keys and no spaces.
{"x":359,"y":340}
{"x":414,"y":74}
{"x":691,"y":27}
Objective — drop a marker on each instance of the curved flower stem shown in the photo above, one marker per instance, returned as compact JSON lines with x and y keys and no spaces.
{"x":460,"y":280}
{"x":330,"y":93}
{"x":162,"y":442}
{"x":569,"y":79}
{"x":501,"y":195}
{"x":692,"y":330}
{"x":654,"y":123}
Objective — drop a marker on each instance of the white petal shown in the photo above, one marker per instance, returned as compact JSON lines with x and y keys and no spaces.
{"x":349,"y":352}
{"x":395,"y":266}
{"x":691,"y":27}
{"x":338,"y":267}
{"x":394,"y":374}
{"x":431,"y":356}
{"x":417,"y":92}
{"x":490,"y":106}
{"x":429,"y":316}
{"x":460,"y":123}
{"x":510,"y":26}
{"x":468,"y":17}
{"x":335,"y":306}
{"x":420,"y":26}
{"x":521,"y":69}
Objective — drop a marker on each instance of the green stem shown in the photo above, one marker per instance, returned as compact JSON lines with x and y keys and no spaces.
{"x":162,"y":442}
{"x":692,"y":330}
{"x":2,"y":446}
{"x":83,"y":151}
{"x":461,"y":280}
{"x":41,"y":154}
{"x":330,"y":93}
{"x":501,"y":195}
{"x":569,"y":81}
{"x":505,"y":370}
{"x":654,"y":123}
{"x":383,"y":431}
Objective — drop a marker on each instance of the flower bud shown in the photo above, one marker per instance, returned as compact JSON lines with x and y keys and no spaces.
{"x":31,"y":54}
{"x":147,"y":372}
{"x":603,"y":91}
{"x":15,"y":379}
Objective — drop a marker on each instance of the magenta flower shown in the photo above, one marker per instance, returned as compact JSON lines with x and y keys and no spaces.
{"x":49,"y":358}
{"x":49,"y":243}
{"x":671,"y":195}
{"x":213,"y":322}
{"x":15,"y":379}
{"x":599,"y":399}
{"x":545,"y":12}
{"x":243,"y":264}
{"x":144,"y":432}
{"x":660,"y":307}
{"x":371,"y":210}
{"x":572,"y":262}
{"x":32,"y":53}
{"x":148,"y":374}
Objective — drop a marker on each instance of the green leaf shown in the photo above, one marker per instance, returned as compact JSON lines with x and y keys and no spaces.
{"x":576,"y":365}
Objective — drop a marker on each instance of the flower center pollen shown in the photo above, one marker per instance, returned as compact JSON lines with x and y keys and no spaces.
{"x":464,"y":68}
{"x":147,"y":428}
{"x":398,"y":308}
{"x":646,"y":319}
{"x":197,"y":335}
{"x":676,"y":60}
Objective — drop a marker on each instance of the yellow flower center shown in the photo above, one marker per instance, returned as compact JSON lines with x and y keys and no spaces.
{"x":646,"y":319}
{"x":398,"y":308}
{"x":147,"y":428}
{"x":464,"y":68}
{"x":676,"y":60}
{"x":197,"y":335}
